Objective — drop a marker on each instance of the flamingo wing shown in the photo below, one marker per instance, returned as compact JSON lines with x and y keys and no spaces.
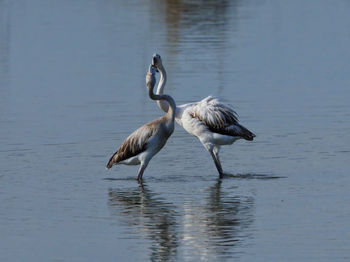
{"x":134,"y":144}
{"x":220,"y":118}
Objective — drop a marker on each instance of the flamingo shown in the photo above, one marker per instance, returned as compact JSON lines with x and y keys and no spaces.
{"x":213,"y":122}
{"x":139,"y":147}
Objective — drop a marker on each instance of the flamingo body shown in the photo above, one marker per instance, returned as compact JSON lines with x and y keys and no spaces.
{"x":213,"y":122}
{"x":145,"y":142}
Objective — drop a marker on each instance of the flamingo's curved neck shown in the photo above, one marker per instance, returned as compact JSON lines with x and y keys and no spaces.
{"x":162,"y":104}
{"x":168,"y":100}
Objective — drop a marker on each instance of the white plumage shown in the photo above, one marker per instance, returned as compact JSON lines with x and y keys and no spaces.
{"x":139,"y":147}
{"x":213,"y":122}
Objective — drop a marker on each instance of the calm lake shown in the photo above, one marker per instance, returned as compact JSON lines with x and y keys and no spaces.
{"x":72,"y":88}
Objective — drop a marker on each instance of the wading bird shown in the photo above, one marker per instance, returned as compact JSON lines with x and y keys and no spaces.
{"x":210,"y":120}
{"x":139,"y":147}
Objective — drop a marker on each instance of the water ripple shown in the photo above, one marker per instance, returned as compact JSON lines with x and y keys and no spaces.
{"x":209,"y":226}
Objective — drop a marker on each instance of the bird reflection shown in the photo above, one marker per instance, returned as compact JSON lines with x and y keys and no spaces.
{"x":212,"y":229}
{"x":205,"y":226}
{"x":207,"y":18}
{"x":151,"y":215}
{"x":195,"y":30}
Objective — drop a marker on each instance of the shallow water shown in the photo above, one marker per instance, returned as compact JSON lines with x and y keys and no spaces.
{"x":72,"y":88}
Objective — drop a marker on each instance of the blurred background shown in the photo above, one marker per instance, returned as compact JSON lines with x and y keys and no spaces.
{"x":72,"y":89}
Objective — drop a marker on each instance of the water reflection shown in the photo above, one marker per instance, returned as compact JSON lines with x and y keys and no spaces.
{"x":4,"y":38}
{"x":4,"y":54}
{"x":153,"y":217}
{"x":212,"y":230}
{"x":205,"y":20}
{"x":206,"y":226}
{"x":196,"y":30}
{"x":253,"y":176}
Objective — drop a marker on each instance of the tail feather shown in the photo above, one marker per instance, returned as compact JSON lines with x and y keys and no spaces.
{"x":246,"y":134}
{"x":112,"y":160}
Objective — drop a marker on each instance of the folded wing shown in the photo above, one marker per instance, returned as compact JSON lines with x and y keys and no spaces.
{"x":133,"y":145}
{"x":220,"y":118}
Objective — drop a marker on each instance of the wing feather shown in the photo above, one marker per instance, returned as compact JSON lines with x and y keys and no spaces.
{"x":220,"y":118}
{"x":214,"y":113}
{"x":135,"y":143}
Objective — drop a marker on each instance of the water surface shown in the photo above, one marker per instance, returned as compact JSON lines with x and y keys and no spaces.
{"x":72,"y":89}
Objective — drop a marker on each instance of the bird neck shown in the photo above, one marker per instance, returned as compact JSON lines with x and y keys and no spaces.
{"x":166,"y":99}
{"x":163,"y":105}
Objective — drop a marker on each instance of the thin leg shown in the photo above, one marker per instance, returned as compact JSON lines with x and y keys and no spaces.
{"x":141,"y":170}
{"x":216,"y":151}
{"x":216,"y":154}
{"x":217,"y":163}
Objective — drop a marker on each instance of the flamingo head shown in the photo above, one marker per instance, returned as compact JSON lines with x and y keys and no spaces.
{"x":152,"y":69}
{"x":157,"y":61}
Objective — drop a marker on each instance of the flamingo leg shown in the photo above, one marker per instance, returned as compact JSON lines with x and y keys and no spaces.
{"x":215,"y":157}
{"x":141,"y":170}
